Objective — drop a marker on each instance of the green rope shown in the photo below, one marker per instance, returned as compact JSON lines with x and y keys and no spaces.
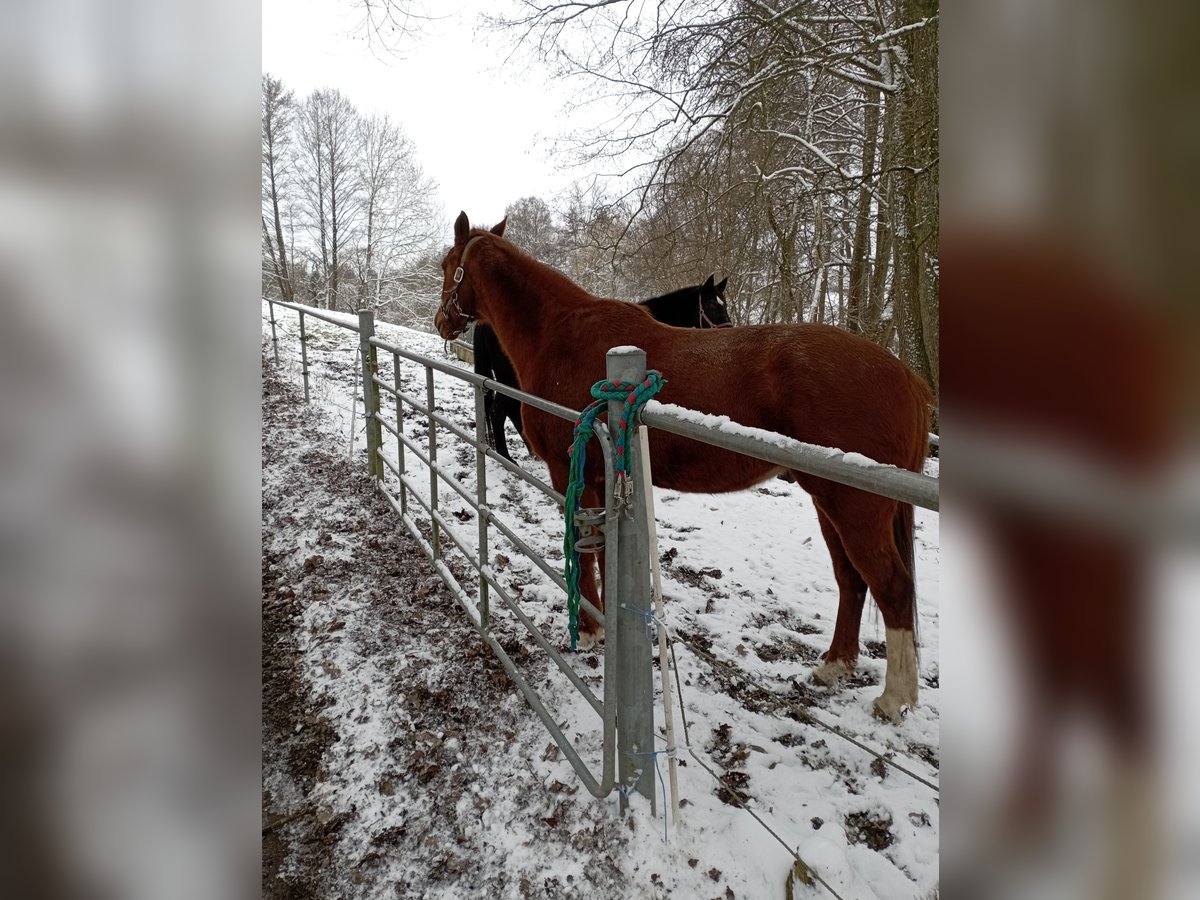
{"x":634,"y":397}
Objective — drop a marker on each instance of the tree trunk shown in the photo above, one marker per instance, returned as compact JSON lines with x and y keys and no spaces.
{"x":289,"y":292}
{"x":821,"y":275}
{"x":872,"y":323}
{"x":364,"y":300}
{"x":279,"y":279}
{"x":321,"y":217}
{"x":915,"y":207}
{"x":334,"y":240}
{"x":841,"y":282}
{"x":856,"y":314}
{"x":786,"y":242}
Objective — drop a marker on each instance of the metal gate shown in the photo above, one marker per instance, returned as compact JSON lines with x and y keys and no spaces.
{"x":626,"y":706}
{"x":625,"y":709}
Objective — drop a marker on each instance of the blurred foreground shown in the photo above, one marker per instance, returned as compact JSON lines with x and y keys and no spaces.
{"x":129,"y":269}
{"x":1071,"y":516}
{"x":128,"y":449}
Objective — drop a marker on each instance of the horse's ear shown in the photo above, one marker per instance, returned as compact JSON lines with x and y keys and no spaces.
{"x":462,"y":227}
{"x":721,"y":286}
{"x":498,"y":228}
{"x":708,"y":285}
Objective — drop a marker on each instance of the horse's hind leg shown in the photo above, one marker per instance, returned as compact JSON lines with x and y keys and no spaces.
{"x":866,"y":526}
{"x":842,"y":656}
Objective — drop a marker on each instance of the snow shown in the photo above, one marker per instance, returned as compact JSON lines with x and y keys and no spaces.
{"x":746,"y":576}
{"x":858,"y":459}
{"x":728,"y":426}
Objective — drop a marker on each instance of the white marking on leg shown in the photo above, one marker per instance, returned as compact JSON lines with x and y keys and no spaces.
{"x":589,"y":639}
{"x":900,"y":685}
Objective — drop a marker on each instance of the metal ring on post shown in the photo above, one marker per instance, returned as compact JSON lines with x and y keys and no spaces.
{"x":590,"y":522}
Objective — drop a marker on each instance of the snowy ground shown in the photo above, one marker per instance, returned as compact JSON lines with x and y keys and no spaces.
{"x":425,"y":774}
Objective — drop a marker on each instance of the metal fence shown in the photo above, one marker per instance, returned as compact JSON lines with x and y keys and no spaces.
{"x":625,"y":709}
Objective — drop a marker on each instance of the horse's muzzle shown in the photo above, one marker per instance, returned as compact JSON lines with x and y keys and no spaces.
{"x":444,"y":328}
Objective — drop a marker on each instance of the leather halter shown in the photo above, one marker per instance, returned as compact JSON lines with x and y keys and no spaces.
{"x":458,"y":277}
{"x":711,"y":324}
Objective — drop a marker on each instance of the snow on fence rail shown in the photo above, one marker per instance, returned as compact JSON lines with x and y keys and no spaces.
{"x":853,"y":469}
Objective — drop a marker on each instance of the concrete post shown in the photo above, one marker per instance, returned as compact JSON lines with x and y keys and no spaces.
{"x":635,"y":683}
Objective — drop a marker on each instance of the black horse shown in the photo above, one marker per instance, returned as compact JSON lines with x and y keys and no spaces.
{"x":698,"y":306}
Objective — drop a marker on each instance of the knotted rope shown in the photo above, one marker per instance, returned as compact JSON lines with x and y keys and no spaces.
{"x":634,"y":397}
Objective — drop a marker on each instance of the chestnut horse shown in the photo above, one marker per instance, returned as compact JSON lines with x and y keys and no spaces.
{"x":814,"y":383}
{"x":697,"y":306}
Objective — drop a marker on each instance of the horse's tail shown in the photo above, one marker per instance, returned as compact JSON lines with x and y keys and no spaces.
{"x":517,"y":418}
{"x":489,"y":399}
{"x":902,"y":533}
{"x":902,"y":521}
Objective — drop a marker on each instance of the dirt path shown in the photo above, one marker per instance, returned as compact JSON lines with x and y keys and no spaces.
{"x":398,"y":759}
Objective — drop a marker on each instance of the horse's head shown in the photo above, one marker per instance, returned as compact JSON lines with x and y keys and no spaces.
{"x":713,"y":312}
{"x":459,"y":306}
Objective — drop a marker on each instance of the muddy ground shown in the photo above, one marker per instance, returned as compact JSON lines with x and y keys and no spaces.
{"x":428,"y":823}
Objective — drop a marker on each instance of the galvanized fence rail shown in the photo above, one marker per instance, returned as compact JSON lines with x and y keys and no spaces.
{"x":813,"y":459}
{"x":622,"y":728}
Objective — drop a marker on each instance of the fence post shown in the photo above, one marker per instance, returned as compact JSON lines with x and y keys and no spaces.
{"x":304,"y":357}
{"x":635,"y":676}
{"x":481,"y":499}
{"x":400,"y":430}
{"x":435,"y":530}
{"x":274,"y":339}
{"x":370,"y":365}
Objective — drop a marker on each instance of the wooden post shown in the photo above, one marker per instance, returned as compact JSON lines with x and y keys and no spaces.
{"x":366,"y":331}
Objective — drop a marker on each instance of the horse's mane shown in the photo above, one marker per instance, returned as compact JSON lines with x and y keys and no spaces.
{"x":557,"y":282}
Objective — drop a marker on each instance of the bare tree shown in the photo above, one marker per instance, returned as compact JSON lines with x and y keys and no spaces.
{"x":414,"y":292}
{"x":389,"y":25}
{"x":329,"y":141}
{"x":771,"y":136}
{"x":399,"y":221}
{"x":531,"y":227}
{"x":278,"y":109}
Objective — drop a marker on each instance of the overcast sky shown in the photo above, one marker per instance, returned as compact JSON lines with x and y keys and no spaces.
{"x":482,"y":129}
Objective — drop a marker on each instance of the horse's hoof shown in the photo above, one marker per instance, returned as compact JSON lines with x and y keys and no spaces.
{"x":589,"y":639}
{"x":889,"y":708}
{"x":831,"y":671}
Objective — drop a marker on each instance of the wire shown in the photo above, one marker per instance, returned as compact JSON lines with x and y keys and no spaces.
{"x":804,"y":714}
